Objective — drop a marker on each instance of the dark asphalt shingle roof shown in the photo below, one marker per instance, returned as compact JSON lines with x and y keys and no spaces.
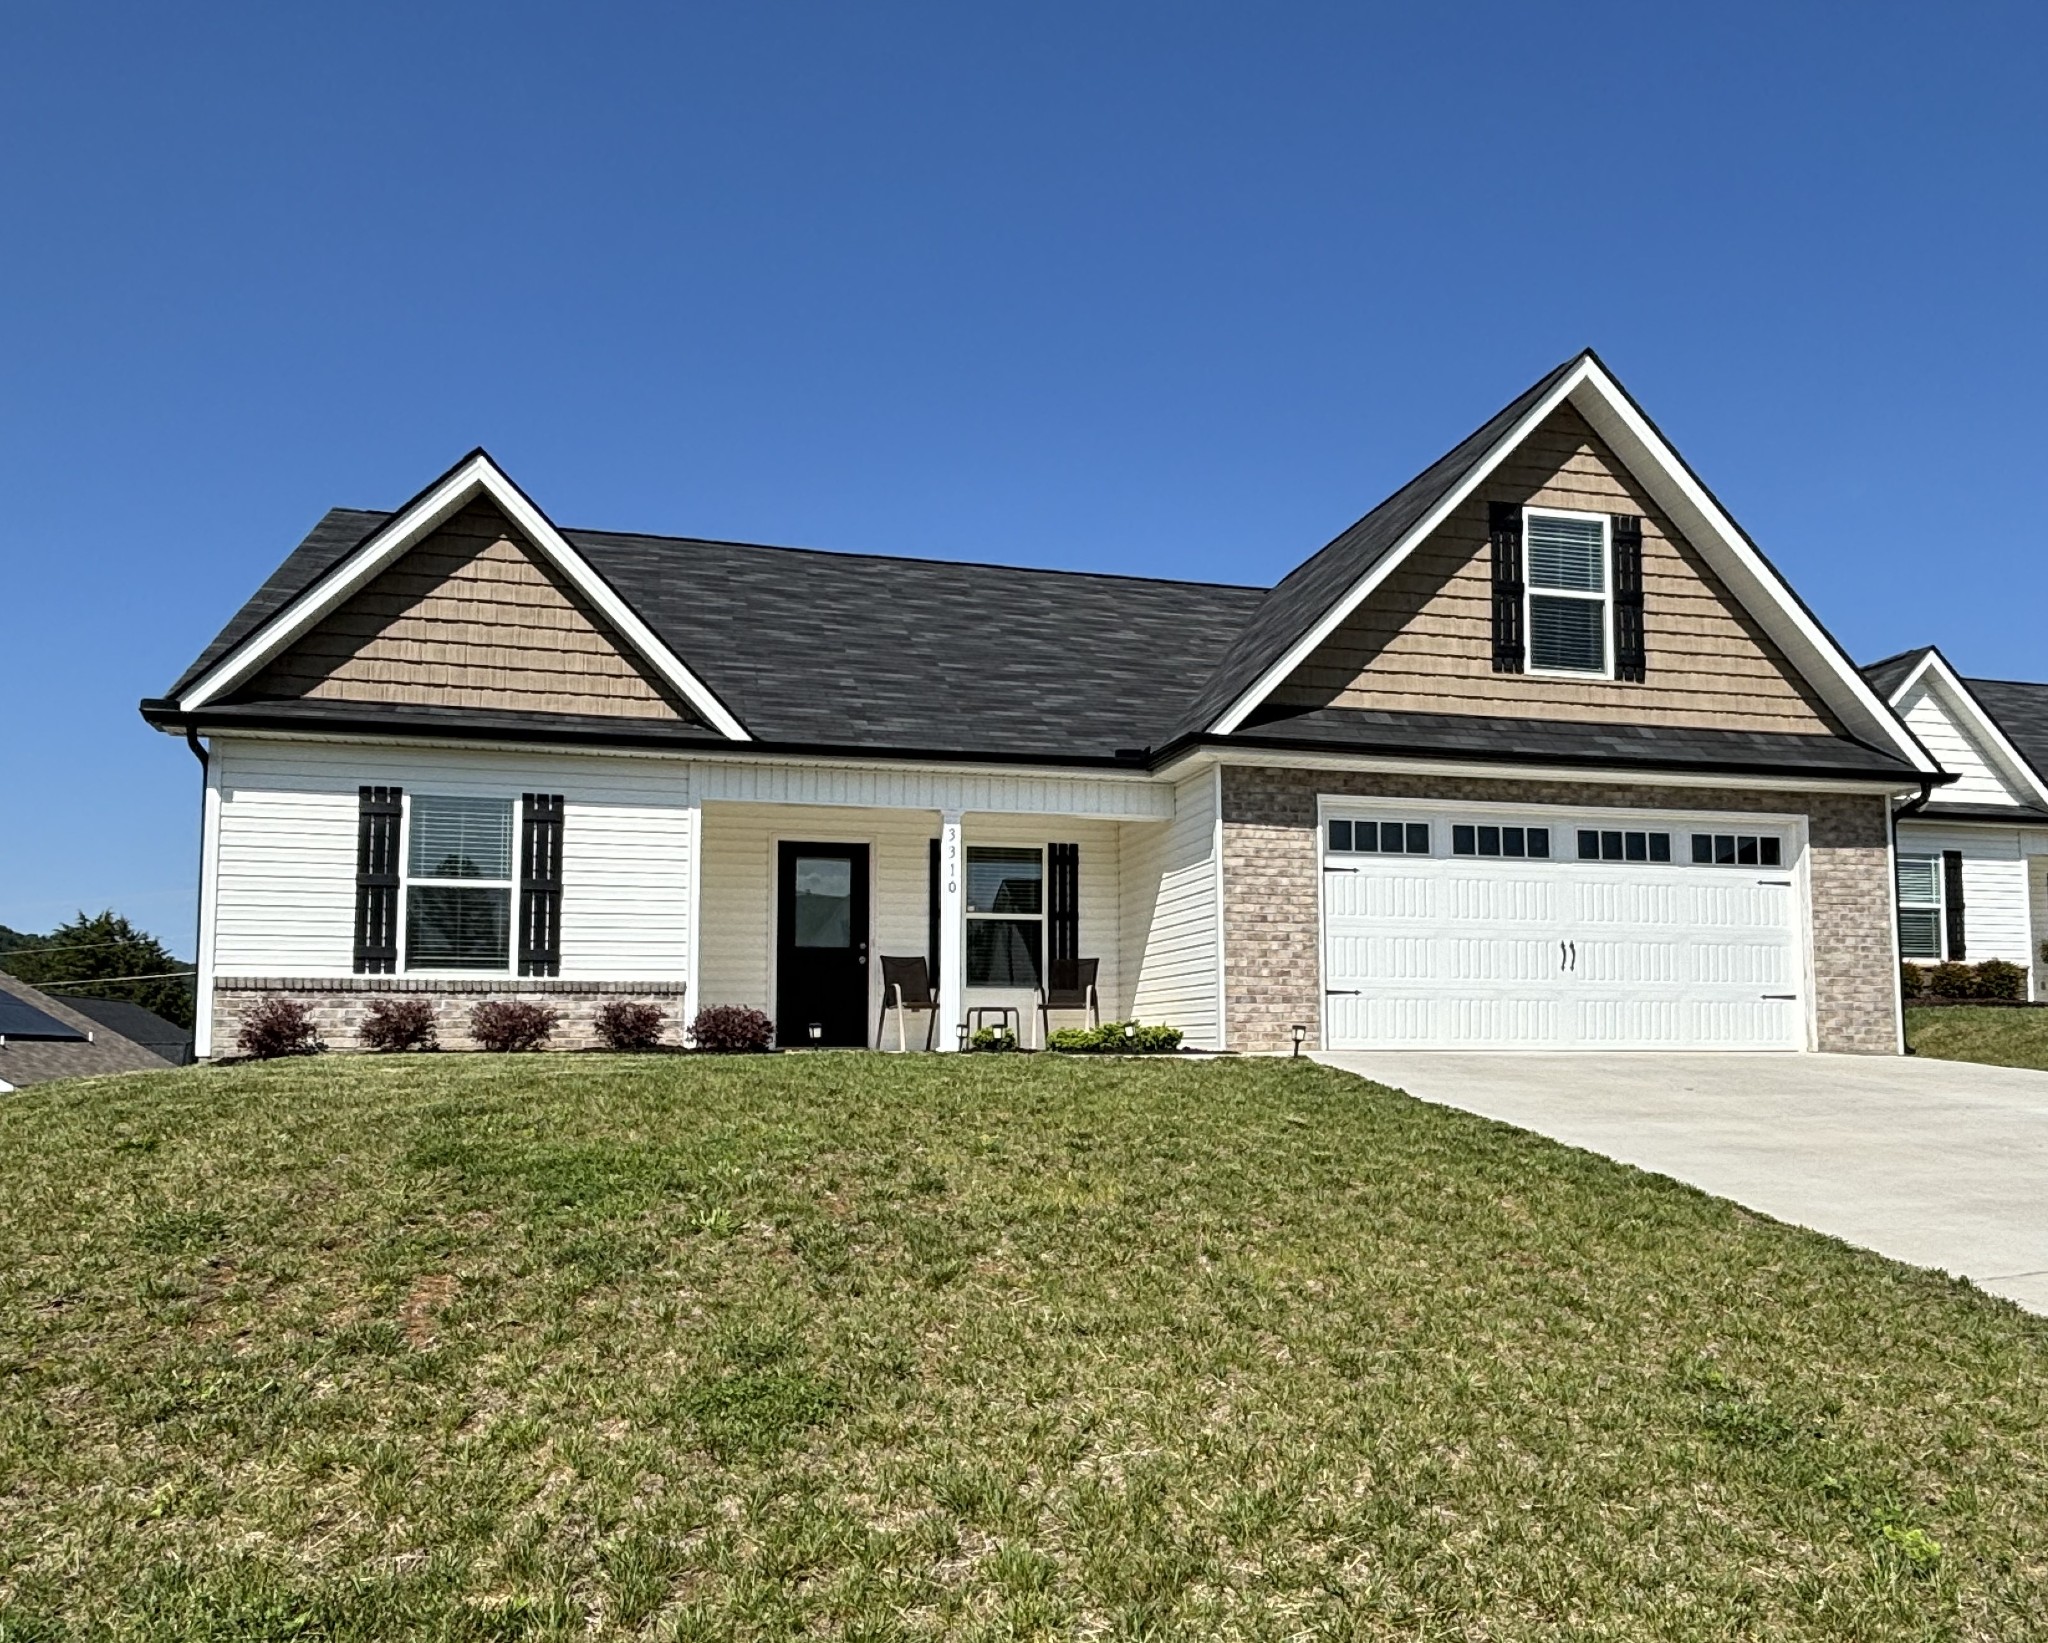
{"x":862,"y":650}
{"x":138,"y":1026}
{"x":1556,"y":741}
{"x":1887,"y":675}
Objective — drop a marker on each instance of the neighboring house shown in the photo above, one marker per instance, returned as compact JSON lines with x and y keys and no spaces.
{"x":1973,"y":860}
{"x":43,"y":1037}
{"x":1540,"y":753}
{"x":138,"y":1026}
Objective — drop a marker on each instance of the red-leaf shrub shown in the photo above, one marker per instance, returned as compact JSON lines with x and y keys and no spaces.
{"x":1912,"y":979}
{"x":629,"y":1026}
{"x":732,"y":1029}
{"x":279,"y":1026}
{"x":506,"y":1025}
{"x":399,"y":1024}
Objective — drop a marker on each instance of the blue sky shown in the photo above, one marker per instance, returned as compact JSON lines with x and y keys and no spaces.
{"x":1177,"y":290}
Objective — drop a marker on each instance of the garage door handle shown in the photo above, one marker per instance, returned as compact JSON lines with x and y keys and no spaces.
{"x":1774,"y":881}
{"x":1342,"y":992}
{"x":1778,"y":995}
{"x":1340,"y":869}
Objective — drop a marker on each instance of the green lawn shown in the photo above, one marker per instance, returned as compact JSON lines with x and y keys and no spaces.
{"x":1959,"y":1032}
{"x":852,"y":1347}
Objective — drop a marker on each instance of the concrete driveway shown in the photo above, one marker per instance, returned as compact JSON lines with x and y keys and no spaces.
{"x":1940,"y":1163}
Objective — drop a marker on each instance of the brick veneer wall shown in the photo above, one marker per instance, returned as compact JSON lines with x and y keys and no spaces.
{"x":339,"y":1003}
{"x":1272,"y":867}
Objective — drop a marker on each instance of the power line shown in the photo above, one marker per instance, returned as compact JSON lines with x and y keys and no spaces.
{"x":75,"y":947}
{"x":94,"y":981}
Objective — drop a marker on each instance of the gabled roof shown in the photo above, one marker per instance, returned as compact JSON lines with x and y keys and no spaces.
{"x":138,"y":1026}
{"x":2007,"y":717}
{"x":1310,"y":604}
{"x":816,"y":652}
{"x":475,"y":477}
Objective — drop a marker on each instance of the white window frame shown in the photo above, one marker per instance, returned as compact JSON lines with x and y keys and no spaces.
{"x":1005,"y":918}
{"x":406,"y":881}
{"x":1938,"y":906}
{"x":1530,"y":593}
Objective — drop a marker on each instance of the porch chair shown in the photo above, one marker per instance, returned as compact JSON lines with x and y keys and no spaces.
{"x":1070,"y":986}
{"x":906,"y":985}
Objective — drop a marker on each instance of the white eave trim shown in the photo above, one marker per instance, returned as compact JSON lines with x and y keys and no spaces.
{"x":1756,"y":586}
{"x":476,"y":476}
{"x":1958,"y":698}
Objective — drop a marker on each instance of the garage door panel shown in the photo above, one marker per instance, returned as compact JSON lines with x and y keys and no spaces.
{"x":1457,"y":951}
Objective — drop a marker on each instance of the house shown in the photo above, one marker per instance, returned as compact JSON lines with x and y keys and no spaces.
{"x":138,"y":1026}
{"x":43,"y":1038}
{"x":1542,"y":752}
{"x":1973,"y":859}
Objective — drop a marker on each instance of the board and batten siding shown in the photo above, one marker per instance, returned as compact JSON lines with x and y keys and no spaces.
{"x":1978,"y":778}
{"x":1423,"y":642}
{"x":737,"y":963}
{"x":1172,"y":924}
{"x":1998,"y":913}
{"x":286,"y":852}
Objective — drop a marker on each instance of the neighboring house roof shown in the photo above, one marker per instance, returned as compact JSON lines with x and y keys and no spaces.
{"x":87,"y":1051}
{"x":138,"y":1026}
{"x":821,"y":652}
{"x":2008,"y":719}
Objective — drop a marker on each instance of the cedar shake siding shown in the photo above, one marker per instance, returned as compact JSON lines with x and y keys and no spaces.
{"x":1424,"y":641}
{"x":471,"y":618}
{"x":1272,"y":870}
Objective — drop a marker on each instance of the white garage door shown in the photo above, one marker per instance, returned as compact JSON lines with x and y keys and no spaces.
{"x":1559,"y":930}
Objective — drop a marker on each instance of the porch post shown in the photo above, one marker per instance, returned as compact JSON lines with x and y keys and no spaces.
{"x":952,"y":930}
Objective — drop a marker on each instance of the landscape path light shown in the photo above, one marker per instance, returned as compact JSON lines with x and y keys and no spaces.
{"x":1300,"y":1033}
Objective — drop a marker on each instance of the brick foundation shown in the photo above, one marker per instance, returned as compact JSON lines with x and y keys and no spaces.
{"x":338,"y":1004}
{"x":1272,"y":867}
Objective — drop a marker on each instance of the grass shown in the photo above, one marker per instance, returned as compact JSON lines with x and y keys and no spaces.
{"x":1961,"y":1032}
{"x":998,"y":1347}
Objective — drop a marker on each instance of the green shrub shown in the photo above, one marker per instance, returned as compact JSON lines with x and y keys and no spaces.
{"x":1111,"y":1039}
{"x":1997,"y":979}
{"x":993,"y":1038}
{"x":1952,"y":980}
{"x":1912,"y":980}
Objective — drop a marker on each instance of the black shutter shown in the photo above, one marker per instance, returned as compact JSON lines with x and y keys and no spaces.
{"x":1504,"y":530}
{"x":1952,"y":903}
{"x":1063,"y":914}
{"x":1629,"y":660}
{"x":931,"y":917}
{"x":540,"y":885}
{"x":377,"y":811}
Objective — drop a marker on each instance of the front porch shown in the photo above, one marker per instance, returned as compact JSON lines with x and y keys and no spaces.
{"x":974,"y":895}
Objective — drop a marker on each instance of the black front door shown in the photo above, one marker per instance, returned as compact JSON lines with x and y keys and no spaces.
{"x":821,"y":945}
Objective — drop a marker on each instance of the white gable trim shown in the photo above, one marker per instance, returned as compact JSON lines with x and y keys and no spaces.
{"x":1659,"y":469}
{"x":475,"y":476}
{"x":1363,"y":589}
{"x":1973,"y":721}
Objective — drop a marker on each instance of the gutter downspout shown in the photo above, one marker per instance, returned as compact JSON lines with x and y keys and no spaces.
{"x":199,"y":901}
{"x":1898,"y":977}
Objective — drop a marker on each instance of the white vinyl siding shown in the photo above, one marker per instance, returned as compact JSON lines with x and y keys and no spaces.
{"x":1978,"y":779}
{"x":1997,"y":915}
{"x":287,"y":852}
{"x":1171,"y":914}
{"x":738,"y":959}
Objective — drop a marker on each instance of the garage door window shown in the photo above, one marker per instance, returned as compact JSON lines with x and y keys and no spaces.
{"x":1379,"y":838}
{"x":1501,"y":841}
{"x":1919,"y":907}
{"x":1618,"y":844}
{"x":1736,"y":850}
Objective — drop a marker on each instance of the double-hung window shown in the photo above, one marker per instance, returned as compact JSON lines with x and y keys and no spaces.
{"x":1005,"y":916}
{"x":1920,"y":907}
{"x":458,"y":883}
{"x":1567,"y":559}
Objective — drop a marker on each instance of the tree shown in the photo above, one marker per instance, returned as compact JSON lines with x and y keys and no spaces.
{"x":105,"y":950}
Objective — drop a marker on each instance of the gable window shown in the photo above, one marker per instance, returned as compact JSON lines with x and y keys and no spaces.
{"x":1566,"y":557}
{"x":1005,"y":916}
{"x":1920,"y":908}
{"x":458,"y":884}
